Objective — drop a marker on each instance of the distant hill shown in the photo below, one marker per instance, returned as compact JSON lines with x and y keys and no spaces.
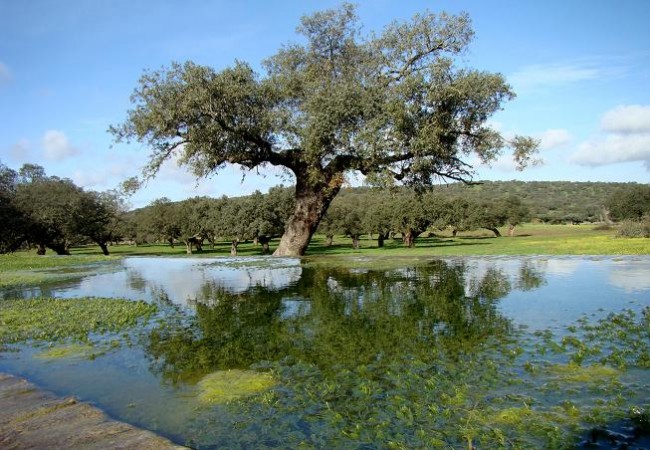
{"x":549,"y":201}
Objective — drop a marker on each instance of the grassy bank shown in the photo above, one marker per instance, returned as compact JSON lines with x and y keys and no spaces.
{"x":23,"y":268}
{"x":530,"y":239}
{"x":27,"y":268}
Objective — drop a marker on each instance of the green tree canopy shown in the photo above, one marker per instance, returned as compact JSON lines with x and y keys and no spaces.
{"x":13,"y":223}
{"x":633,"y":202}
{"x":393,"y":106}
{"x":97,"y":216}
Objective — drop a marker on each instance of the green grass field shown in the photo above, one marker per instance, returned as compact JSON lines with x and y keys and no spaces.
{"x":531,"y":239}
{"x":24,"y":268}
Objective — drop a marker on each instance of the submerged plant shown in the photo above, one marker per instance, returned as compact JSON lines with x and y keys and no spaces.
{"x":70,"y":351}
{"x":573,"y":373}
{"x":225,"y":386}
{"x":51,"y":320}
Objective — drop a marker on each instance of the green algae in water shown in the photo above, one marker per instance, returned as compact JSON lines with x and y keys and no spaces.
{"x":573,"y":373}
{"x":417,"y":357}
{"x":51,"y":320}
{"x":225,"y":386}
{"x":70,"y":351}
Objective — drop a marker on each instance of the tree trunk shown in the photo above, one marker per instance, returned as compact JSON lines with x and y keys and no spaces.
{"x":454,"y":232}
{"x":355,"y":241}
{"x":59,"y":249}
{"x":171,"y":242}
{"x":104,"y":248}
{"x":329,"y":240}
{"x":264,"y":240}
{"x":188,"y":247}
{"x":233,"y":247}
{"x":311,"y":204}
{"x":493,"y":230}
{"x":41,"y":249}
{"x":380,"y":240}
{"x":511,"y":230}
{"x":409,"y":238}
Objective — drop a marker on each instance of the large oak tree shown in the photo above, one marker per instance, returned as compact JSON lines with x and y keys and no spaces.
{"x":392,"y":106}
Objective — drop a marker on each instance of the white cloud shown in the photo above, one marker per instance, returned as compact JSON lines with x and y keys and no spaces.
{"x":613,"y":149}
{"x":20,"y":151}
{"x":56,"y":146}
{"x":562,"y":267}
{"x":5,"y":74}
{"x":627,"y":119}
{"x":503,"y":163}
{"x":90,"y":179}
{"x":554,"y":138}
{"x":494,"y":125}
{"x":552,"y":75}
{"x":171,"y":170}
{"x":627,"y":138}
{"x":630,"y":279}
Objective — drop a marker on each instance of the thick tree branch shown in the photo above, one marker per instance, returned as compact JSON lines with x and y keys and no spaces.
{"x":406,"y":69}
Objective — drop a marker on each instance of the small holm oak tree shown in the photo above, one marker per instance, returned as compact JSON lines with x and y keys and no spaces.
{"x":391,"y":105}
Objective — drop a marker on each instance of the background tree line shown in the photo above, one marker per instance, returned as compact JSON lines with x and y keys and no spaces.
{"x":41,"y":211}
{"x":257,"y":217}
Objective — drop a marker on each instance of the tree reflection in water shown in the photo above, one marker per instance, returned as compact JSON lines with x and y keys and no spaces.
{"x":335,"y":318}
{"x":415,"y":357}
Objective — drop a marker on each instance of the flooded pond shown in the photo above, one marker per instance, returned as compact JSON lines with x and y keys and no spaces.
{"x":431,"y":353}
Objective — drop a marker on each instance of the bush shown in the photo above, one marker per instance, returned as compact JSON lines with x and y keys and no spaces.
{"x":634,"y":228}
{"x":602,"y":227}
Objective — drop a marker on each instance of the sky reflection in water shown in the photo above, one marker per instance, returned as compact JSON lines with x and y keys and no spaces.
{"x":236,"y":312}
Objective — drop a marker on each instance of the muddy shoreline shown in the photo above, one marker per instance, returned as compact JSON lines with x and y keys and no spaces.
{"x":31,"y":418}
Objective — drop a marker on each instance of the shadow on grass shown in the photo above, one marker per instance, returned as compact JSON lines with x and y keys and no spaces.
{"x":477,"y":238}
{"x":317,"y":247}
{"x":178,"y":250}
{"x":427,"y":243}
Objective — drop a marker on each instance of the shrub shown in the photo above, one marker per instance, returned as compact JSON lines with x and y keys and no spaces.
{"x":635,"y":228}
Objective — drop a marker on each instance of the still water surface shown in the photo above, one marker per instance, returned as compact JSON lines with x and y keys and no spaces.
{"x":414,"y":355}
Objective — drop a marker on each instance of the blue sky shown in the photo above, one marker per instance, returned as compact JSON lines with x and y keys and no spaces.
{"x":581,"y":70}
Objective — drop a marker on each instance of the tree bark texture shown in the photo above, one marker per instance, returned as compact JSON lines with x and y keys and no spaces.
{"x":494,"y":230}
{"x":233,"y":247}
{"x":104,"y":248}
{"x":409,"y":238}
{"x":59,"y":249}
{"x":311,"y":204}
{"x":264,"y":240}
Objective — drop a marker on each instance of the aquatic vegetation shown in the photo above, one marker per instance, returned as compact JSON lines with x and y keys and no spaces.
{"x":641,"y":418}
{"x":51,"y":320}
{"x":619,"y":340}
{"x":25,"y":269}
{"x":225,"y":386}
{"x":73,"y":350}
{"x":572,"y":373}
{"x":400,"y":354}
